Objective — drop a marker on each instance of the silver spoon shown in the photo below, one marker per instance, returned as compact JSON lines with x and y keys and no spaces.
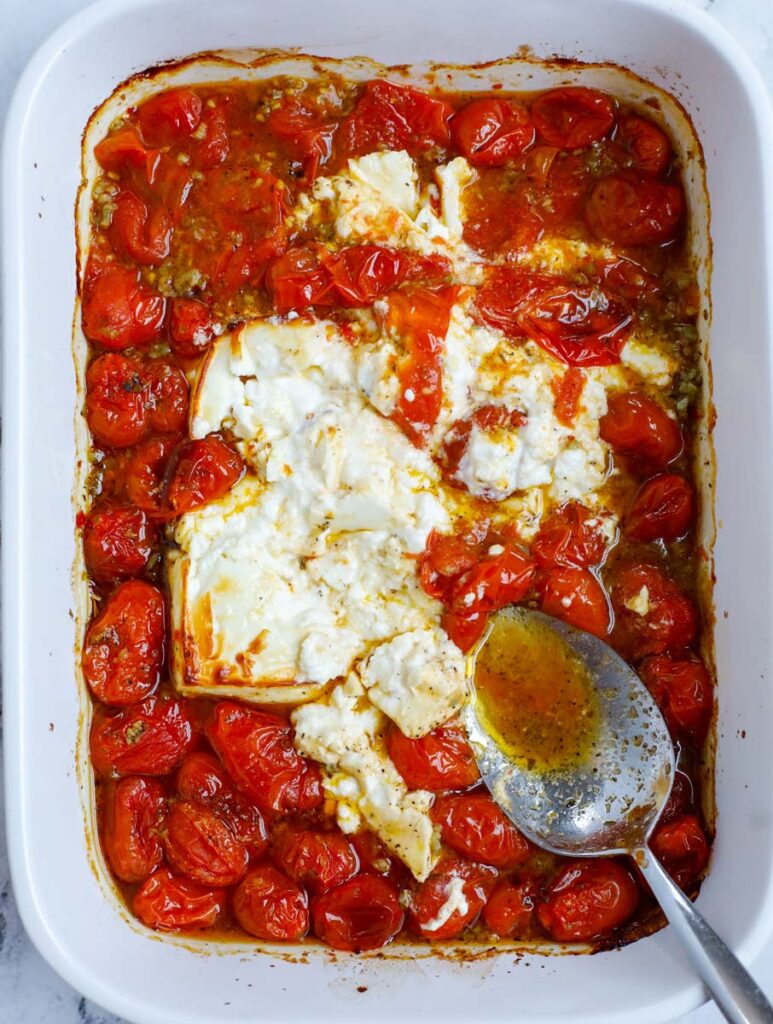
{"x":609,"y":802}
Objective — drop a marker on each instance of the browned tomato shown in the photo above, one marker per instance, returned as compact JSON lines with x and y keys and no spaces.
{"x":204,"y":470}
{"x":681,"y":846}
{"x":489,"y":132}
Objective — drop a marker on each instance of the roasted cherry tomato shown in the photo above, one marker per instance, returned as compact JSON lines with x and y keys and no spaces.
{"x":631,"y":209}
{"x":172,"y":186}
{"x":123,"y":149}
{"x":140,"y":232}
{"x":167,"y":397}
{"x":214,"y":148}
{"x":190,"y":327}
{"x":316,"y":860}
{"x":200,"y":845}
{"x":466,"y":885}
{"x":439,"y":761}
{"x":640,"y":427}
{"x":389,"y":116}
{"x":204,"y":470}
{"x":169,"y":116}
{"x":149,"y":738}
{"x":588,"y":899}
{"x":124,"y":647}
{"x":298,"y":279}
{"x":119,"y":310}
{"x":567,"y":391}
{"x":648,"y":146}
{"x":116,"y":401}
{"x":576,"y":597}
{"x":117,"y":542}
{"x":478,"y":828}
{"x":509,"y":912}
{"x":653,"y":615}
{"x":489,"y":132}
{"x":307,"y":136}
{"x":682,"y":848}
{"x":361,"y":274}
{"x":572,"y":117}
{"x":683,"y":691}
{"x":170,"y":903}
{"x":135,"y":809}
{"x":448,"y":555}
{"x":570,"y":536}
{"x":146,"y":470}
{"x":504,"y":577}
{"x":663,"y":509}
{"x":270,"y":906}
{"x":203,"y":780}
{"x":257,"y":751}
{"x":363,"y":913}
{"x":577,"y":324}
{"x":630,"y":281}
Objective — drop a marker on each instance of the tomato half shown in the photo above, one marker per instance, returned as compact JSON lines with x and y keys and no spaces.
{"x":363,"y":913}
{"x":683,"y":691}
{"x":169,"y":903}
{"x":570,"y":536}
{"x":205,"y":470}
{"x":509,"y":912}
{"x":149,"y":738}
{"x":489,"y":132}
{"x":648,"y":146}
{"x":389,"y":116}
{"x":426,"y":911}
{"x":682,"y":848}
{"x":653,"y":615}
{"x":270,"y":906}
{"x":441,"y":760}
{"x":117,"y":542}
{"x":640,"y":427}
{"x":135,"y":810}
{"x":631,"y":209}
{"x":588,"y":899}
{"x":123,"y":651}
{"x":576,"y":597}
{"x":316,"y":860}
{"x":116,"y":408}
{"x":478,"y":828}
{"x":572,"y":117}
{"x":119,"y":310}
{"x":169,"y":116}
{"x":140,"y":232}
{"x":663,"y":509}
{"x":257,"y":751}
{"x":198,"y":844}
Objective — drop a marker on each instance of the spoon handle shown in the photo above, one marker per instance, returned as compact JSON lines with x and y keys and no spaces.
{"x":733,"y":989}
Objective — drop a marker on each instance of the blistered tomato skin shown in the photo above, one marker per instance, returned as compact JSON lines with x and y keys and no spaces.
{"x":640,"y":427}
{"x":200,"y":845}
{"x":681,"y":846}
{"x":572,"y":118}
{"x":509,"y":912}
{"x":633,"y":210}
{"x":134,"y":821}
{"x":479,"y":829}
{"x":316,"y":860}
{"x":270,"y":906}
{"x":204,"y":471}
{"x":171,"y":903}
{"x":588,"y":899}
{"x":148,"y":738}
{"x":119,"y":310}
{"x":577,"y":597}
{"x":682,"y":689}
{"x":663,"y":509}
{"x":653,"y":615}
{"x":489,"y":132}
{"x":116,"y":406}
{"x":363,"y":913}
{"x":441,"y":760}
{"x":427,"y":902}
{"x":190,"y":327}
{"x":118,"y":542}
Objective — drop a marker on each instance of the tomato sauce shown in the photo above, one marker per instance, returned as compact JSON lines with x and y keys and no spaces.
{"x":208,"y":817}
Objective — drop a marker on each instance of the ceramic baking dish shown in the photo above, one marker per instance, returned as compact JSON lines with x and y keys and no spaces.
{"x":60,"y":883}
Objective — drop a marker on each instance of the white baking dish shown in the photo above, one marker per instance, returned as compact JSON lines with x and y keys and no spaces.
{"x":59,"y":883}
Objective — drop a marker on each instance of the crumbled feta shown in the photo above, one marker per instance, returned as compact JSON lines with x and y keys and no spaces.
{"x":455,"y":902}
{"x":639,"y":603}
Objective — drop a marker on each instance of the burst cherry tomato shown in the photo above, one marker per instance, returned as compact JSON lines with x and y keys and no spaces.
{"x":509,"y":912}
{"x":682,"y":689}
{"x":145,"y":472}
{"x":363,"y":913}
{"x":652,"y":614}
{"x":198,"y":844}
{"x":205,"y":470}
{"x":119,"y":310}
{"x":570,"y":536}
{"x":117,"y":542}
{"x":361,"y":274}
{"x":135,"y":809}
{"x":438,"y":761}
{"x":663,"y":509}
{"x":140,"y":232}
{"x":426,"y":914}
{"x":572,"y":118}
{"x":648,"y":146}
{"x":214,"y":148}
{"x":167,"y":397}
{"x":389,"y":116}
{"x":123,"y":149}
{"x":639,"y":426}
{"x":478,"y":828}
{"x":448,"y":555}
{"x":257,"y":751}
{"x":316,"y":860}
{"x":587,"y":900}
{"x":169,"y":903}
{"x":271,"y":907}
{"x":124,"y":647}
{"x":116,"y":394}
{"x":190,"y":327}
{"x":682,"y":848}
{"x":308,"y":138}
{"x":489,"y":132}
{"x":567,"y":391}
{"x":631,"y":209}
{"x":169,"y":116}
{"x":576,"y":597}
{"x":149,"y":738}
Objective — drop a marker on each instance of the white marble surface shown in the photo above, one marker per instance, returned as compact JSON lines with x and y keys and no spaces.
{"x":30,"y":991}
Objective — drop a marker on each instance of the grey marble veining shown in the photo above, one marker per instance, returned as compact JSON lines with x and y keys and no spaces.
{"x":30,"y":991}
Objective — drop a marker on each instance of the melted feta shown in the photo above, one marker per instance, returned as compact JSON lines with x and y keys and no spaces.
{"x":455,"y":903}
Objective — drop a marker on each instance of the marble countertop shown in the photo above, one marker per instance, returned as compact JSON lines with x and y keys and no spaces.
{"x":30,"y":991}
